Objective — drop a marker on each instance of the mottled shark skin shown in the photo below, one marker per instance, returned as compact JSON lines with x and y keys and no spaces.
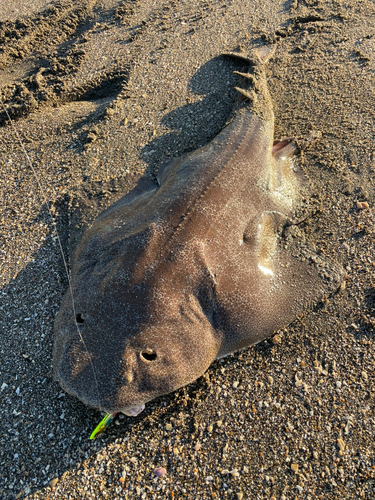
{"x":177,"y":274}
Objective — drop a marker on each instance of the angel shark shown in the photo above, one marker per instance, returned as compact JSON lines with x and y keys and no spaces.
{"x":184,"y":271}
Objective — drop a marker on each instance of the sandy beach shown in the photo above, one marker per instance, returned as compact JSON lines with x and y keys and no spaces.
{"x":102,"y":92}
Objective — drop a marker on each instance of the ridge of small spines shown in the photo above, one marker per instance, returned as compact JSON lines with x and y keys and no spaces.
{"x":251,"y":95}
{"x":196,"y":201}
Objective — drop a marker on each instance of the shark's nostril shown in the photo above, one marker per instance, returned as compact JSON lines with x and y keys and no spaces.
{"x":148,"y":355}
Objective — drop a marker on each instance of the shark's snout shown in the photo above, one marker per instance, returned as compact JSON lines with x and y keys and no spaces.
{"x":133,"y":411}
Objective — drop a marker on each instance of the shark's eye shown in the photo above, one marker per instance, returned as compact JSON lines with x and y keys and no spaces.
{"x":148,"y":355}
{"x":79,"y":318}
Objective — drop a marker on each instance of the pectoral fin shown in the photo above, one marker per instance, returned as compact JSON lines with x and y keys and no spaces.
{"x":280,"y":283}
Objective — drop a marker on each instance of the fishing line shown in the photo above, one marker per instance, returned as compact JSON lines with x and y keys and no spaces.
{"x":44,"y":199}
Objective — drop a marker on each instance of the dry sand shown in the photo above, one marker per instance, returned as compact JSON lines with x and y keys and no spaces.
{"x":104,"y":91}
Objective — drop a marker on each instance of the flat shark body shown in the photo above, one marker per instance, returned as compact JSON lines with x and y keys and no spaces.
{"x":184,"y":271}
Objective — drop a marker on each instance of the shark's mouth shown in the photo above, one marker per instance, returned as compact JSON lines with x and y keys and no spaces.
{"x":133,"y":411}
{"x":130,"y":411}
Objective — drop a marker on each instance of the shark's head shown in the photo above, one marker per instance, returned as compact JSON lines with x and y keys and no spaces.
{"x":131,"y":337}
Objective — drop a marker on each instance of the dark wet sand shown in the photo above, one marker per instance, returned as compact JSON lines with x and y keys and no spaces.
{"x":102,"y":92}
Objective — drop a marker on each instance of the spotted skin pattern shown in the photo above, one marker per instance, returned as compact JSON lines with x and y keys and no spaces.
{"x":184,"y":271}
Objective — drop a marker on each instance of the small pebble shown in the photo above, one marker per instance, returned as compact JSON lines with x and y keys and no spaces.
{"x":294,"y":468}
{"x":53,"y":482}
{"x":361,"y":205}
{"x":240,"y":495}
{"x":168,"y":427}
{"x":341,"y":444}
{"x":197,"y":447}
{"x":235,"y":384}
{"x":91,"y":137}
{"x":160,"y":472}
